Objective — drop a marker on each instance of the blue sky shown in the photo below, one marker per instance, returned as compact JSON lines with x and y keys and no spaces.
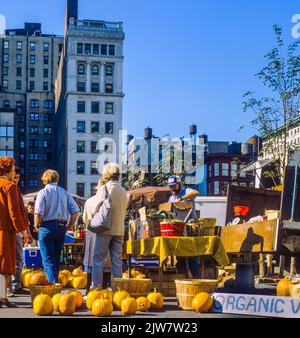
{"x":185,"y":61}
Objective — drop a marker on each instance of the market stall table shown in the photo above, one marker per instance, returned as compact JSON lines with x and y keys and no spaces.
{"x":163,"y":247}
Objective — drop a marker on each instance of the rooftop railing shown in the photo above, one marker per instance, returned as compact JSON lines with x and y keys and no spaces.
{"x":96,"y":25}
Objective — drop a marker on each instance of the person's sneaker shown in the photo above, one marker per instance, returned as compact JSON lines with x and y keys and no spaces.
{"x":9,"y":293}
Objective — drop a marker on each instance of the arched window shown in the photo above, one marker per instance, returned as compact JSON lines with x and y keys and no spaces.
{"x":109,"y":70}
{"x":95,"y":70}
{"x":81,"y":69}
{"x":34,"y":103}
{"x":48,"y":104}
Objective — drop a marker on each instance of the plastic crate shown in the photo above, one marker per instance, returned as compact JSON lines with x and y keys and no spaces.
{"x":69,"y":238}
{"x":32,"y":257}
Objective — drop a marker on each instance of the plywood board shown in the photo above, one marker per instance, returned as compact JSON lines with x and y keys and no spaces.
{"x":253,"y":237}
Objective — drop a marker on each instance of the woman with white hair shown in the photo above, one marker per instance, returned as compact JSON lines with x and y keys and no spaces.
{"x":110,"y":241}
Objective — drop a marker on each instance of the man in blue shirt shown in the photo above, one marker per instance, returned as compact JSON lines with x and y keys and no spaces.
{"x":55,"y":213}
{"x":180,"y":194}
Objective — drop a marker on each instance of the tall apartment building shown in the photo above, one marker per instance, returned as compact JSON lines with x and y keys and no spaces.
{"x":28,"y":68}
{"x":89,"y":95}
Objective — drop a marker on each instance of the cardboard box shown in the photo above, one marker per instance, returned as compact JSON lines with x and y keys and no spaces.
{"x":152,"y":227}
{"x":180,"y":209}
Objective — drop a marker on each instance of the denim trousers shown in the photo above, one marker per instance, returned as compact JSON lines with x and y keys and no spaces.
{"x":16,"y":279}
{"x":51,"y":241}
{"x":103,"y":244}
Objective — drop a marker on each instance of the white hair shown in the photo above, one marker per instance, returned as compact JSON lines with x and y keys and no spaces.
{"x":111,"y":172}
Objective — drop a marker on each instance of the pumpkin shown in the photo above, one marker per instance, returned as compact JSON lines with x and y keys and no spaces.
{"x":79,"y":298}
{"x":70,"y":282}
{"x":107,"y":294}
{"x":79,"y":283}
{"x":67,"y":273}
{"x":143,"y":304}
{"x":62,"y":279}
{"x":156,"y":299}
{"x":42,"y":305}
{"x":91,"y":297}
{"x":38,"y":278}
{"x":102,"y":308}
{"x":129,"y":306}
{"x":202,"y":302}
{"x":67,"y":304}
{"x":118,"y":297}
{"x":24,"y":272}
{"x":283,"y":288}
{"x":77,"y":272}
{"x":27,"y":279}
{"x":55,"y":301}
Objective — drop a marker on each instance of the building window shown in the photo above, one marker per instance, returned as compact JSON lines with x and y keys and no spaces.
{"x":112,"y":50}
{"x":32,"y":59}
{"x":109,"y":108}
{"x":32,"y":72}
{"x":93,"y":188}
{"x":45,"y":86}
{"x":95,"y":87}
{"x":33,"y":156}
{"x":32,"y":46}
{"x":216,"y":188}
{"x":6,"y":104}
{"x":94,"y":168}
{"x":80,"y":167}
{"x":95,"y":107}
{"x":81,"y":69}
{"x":234,"y":169}
{"x":34,"y":117}
{"x":60,"y":47}
{"x":46,"y":72}
{"x":80,"y":189}
{"x":48,"y":104}
{"x":19,"y":58}
{"x":95,"y":70}
{"x":109,"y":71}
{"x":19,"y":44}
{"x":47,"y":157}
{"x":81,"y":106}
{"x":108,"y":88}
{"x":81,"y":86}
{"x":18,"y":85}
{"x":46,"y":59}
{"x":46,"y":47}
{"x":94,"y":147}
{"x":216,"y":169}
{"x":6,"y":131}
{"x":34,"y":130}
{"x":87,"y":48}
{"x":95,"y":127}
{"x":5,"y":70}
{"x":34,"y":103}
{"x":80,"y":146}
{"x":33,"y":143}
{"x":80,"y":126}
{"x":33,"y":169}
{"x":19,"y":71}
{"x":109,"y":128}
{"x":108,"y":148}
{"x":22,"y":117}
{"x":5,"y":84}
{"x":103,"y":49}
{"x":19,"y":104}
{"x":22,"y":144}
{"x":79,"y":48}
{"x":96,"y":49}
{"x":47,"y":131}
{"x":33,"y":183}
{"x":31,"y":85}
{"x":209,"y":170}
{"x":225,"y":169}
{"x":5,"y":58}
{"x":48,"y":117}
{"x":6,"y":44}
{"x":242,"y":172}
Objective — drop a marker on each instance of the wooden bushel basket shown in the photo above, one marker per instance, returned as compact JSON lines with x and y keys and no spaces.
{"x":187,"y":289}
{"x":49,"y":290}
{"x":136,"y":287}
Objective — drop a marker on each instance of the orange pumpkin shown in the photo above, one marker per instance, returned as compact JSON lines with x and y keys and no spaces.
{"x":42,"y":305}
{"x":79,"y":283}
{"x":62,"y":279}
{"x":39,"y":278}
{"x":129,"y":306}
{"x":67,"y":304}
{"x":202,"y":302}
{"x":55,"y":300}
{"x":91,"y":297}
{"x":27,"y":279}
{"x":77,"y":272}
{"x":283,"y":288}
{"x":118,"y":297}
{"x":156,"y":299}
{"x":24,"y":272}
{"x":143,"y":304}
{"x":107,"y":294}
{"x":67,"y":273}
{"x":102,"y":308}
{"x":79,"y":298}
{"x":70,"y":282}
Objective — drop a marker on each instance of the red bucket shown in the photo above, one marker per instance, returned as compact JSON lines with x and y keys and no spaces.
{"x":171,"y":228}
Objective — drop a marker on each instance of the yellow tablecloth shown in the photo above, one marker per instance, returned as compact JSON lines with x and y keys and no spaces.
{"x":179,"y":246}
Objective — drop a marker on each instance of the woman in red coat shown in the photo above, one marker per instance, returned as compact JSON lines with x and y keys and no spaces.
{"x":12,"y":221}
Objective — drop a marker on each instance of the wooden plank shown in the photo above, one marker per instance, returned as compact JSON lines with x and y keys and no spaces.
{"x":248,"y":238}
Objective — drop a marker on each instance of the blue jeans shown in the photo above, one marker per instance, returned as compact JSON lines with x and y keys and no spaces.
{"x":51,"y":241}
{"x":102,"y":245}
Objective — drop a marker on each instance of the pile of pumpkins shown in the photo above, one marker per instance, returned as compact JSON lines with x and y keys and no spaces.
{"x":76,"y":279}
{"x":100,"y":302}
{"x":134,"y":274}
{"x":288,"y":287}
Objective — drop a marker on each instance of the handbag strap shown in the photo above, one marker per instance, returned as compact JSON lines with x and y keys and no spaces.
{"x":105,"y":197}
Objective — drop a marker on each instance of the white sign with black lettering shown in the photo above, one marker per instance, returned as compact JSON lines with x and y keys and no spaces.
{"x":256,"y":305}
